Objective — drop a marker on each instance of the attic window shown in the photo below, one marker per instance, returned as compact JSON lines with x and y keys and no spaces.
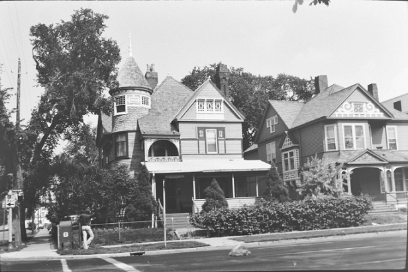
{"x":209,"y":105}
{"x":271,"y":123}
{"x":120,"y":104}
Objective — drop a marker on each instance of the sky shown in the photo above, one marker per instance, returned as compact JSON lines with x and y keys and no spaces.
{"x":350,"y":41}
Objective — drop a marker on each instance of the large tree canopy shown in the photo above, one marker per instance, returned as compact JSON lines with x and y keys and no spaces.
{"x":75,"y":63}
{"x":250,"y":93}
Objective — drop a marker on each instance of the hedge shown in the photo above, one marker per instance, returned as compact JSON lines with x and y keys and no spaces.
{"x":308,"y":214}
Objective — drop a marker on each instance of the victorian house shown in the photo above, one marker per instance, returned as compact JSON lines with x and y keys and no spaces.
{"x":348,"y":125}
{"x":184,"y":138}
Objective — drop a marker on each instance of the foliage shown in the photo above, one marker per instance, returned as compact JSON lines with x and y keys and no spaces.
{"x":321,"y":177}
{"x":214,"y":197}
{"x":309,"y":214}
{"x":250,"y":93}
{"x":314,"y":2}
{"x":275,"y":189}
{"x":142,"y":203}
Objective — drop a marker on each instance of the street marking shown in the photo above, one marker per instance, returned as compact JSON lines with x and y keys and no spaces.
{"x":334,"y":249}
{"x":121,"y":265}
{"x":383,"y":261}
{"x":65,"y":267}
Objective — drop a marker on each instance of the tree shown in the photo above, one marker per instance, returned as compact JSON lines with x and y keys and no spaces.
{"x":250,"y":93}
{"x":74,"y":63}
{"x":321,"y":177}
{"x":141,"y":198}
{"x":275,"y":189}
{"x":214,"y":197}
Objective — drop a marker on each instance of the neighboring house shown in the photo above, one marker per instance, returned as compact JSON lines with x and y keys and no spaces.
{"x":348,"y":125}
{"x":399,"y":103}
{"x":184,"y":138}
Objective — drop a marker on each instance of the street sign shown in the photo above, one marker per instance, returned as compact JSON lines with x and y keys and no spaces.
{"x":11,"y":203}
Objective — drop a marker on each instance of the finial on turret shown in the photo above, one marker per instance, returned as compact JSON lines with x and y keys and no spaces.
{"x":130,"y":45}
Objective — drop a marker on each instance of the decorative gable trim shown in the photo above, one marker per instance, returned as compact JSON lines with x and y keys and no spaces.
{"x":195,"y":95}
{"x":288,"y":142}
{"x":367,"y":157}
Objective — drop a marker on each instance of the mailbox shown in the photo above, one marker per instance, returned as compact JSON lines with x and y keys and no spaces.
{"x":65,"y":232}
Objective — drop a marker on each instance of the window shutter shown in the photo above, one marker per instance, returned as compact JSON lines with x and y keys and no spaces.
{"x":267,"y":123}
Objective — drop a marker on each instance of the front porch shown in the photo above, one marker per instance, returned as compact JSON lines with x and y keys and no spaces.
{"x":180,"y":186}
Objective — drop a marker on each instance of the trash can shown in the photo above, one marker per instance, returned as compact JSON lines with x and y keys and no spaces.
{"x":64,"y":233}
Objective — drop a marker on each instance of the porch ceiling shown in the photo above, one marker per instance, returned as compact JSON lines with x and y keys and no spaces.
{"x":205,"y":166}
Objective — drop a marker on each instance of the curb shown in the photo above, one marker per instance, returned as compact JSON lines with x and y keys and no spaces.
{"x":239,"y":239}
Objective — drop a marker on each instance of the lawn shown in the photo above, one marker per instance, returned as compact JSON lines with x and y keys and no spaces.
{"x":97,"y":249}
{"x":385,"y":219}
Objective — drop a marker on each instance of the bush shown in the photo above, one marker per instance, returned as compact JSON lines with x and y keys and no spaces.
{"x":309,"y":214}
{"x":275,"y":189}
{"x":214,"y":197}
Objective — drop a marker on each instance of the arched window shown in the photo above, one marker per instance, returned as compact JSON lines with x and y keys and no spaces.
{"x":163,"y":148}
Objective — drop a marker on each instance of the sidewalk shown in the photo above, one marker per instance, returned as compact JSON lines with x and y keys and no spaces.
{"x":41,"y":247}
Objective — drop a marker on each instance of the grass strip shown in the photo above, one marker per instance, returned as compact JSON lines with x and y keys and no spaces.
{"x":97,"y":249}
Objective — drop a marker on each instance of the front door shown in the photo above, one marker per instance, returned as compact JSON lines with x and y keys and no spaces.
{"x":171,"y":195}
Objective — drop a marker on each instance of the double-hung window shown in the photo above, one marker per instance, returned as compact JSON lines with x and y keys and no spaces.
{"x":354,"y":136}
{"x":271,"y":152}
{"x":331,"y":137}
{"x":271,"y":123}
{"x":211,"y":140}
{"x":289,"y":160}
{"x":120,"y":104}
{"x":392,"y":137}
{"x":121,"y":145}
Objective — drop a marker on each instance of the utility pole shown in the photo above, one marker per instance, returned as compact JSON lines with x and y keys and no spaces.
{"x":18,"y":184}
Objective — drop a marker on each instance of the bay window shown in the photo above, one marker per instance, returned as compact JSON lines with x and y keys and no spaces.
{"x":354,"y":137}
{"x":290,"y":160}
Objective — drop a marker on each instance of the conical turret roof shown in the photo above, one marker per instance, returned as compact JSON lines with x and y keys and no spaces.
{"x":130,"y":75}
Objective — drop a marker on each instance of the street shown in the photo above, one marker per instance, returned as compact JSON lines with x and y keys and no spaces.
{"x":378,"y":251}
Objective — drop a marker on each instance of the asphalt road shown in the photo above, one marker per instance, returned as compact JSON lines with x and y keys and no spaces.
{"x":377,"y":252}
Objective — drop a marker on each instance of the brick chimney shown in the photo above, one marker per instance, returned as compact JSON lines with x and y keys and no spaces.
{"x":321,"y":83}
{"x":151,"y":76}
{"x":221,"y":78}
{"x":373,"y":90}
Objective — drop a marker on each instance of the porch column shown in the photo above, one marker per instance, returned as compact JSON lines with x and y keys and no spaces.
{"x":233,"y":186}
{"x":348,"y":181}
{"x":256,"y":186}
{"x":154,"y":185}
{"x":164,"y":195}
{"x":194,"y":187}
{"x":392,"y":179}
{"x":385,"y":179}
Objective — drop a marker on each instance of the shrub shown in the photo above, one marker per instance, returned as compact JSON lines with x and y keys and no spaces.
{"x":309,"y":214}
{"x":321,"y":177}
{"x":214,"y":197}
{"x":275,"y":189}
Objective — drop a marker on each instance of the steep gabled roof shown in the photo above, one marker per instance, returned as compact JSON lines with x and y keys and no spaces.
{"x":130,"y":75}
{"x":287,"y":110}
{"x":196,"y":93}
{"x":323,"y":104}
{"x":166,"y":101}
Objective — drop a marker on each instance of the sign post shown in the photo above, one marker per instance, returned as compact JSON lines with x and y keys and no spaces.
{"x":10,"y":221}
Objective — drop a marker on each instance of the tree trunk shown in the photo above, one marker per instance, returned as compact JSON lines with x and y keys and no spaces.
{"x":22,"y":222}
{"x":16,"y":227}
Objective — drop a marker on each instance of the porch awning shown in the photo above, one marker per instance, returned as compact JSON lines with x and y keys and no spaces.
{"x":207,"y":166}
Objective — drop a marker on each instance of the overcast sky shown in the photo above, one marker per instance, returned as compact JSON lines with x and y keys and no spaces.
{"x":349,"y":41}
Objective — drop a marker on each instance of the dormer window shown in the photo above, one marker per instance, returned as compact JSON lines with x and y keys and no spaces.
{"x":209,"y":105}
{"x":120,"y":104}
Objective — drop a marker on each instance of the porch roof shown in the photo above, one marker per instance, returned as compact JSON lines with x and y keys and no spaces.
{"x":207,"y":166}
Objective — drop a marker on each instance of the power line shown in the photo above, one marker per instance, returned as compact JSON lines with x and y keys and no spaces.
{"x":12,"y":27}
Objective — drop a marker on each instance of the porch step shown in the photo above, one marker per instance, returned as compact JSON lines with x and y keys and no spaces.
{"x":178,"y":220}
{"x":380,"y":207}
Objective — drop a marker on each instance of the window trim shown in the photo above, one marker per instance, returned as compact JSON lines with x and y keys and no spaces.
{"x":115,"y":106}
{"x":126,"y":145}
{"x":213,"y":102}
{"x":388,"y":138}
{"x":326,"y":137}
{"x":353,"y":130}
